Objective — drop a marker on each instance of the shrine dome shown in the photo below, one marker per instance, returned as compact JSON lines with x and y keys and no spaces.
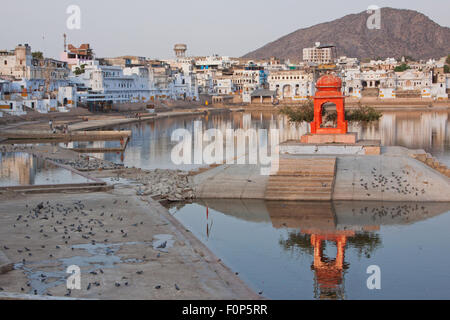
{"x":329,"y":82}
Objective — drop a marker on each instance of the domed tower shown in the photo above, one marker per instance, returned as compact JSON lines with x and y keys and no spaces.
{"x":180,"y":50}
{"x":329,"y":91}
{"x":329,"y":82}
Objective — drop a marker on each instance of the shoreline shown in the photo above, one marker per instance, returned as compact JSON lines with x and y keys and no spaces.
{"x":109,"y":120}
{"x":222,"y":283}
{"x":185,"y":269}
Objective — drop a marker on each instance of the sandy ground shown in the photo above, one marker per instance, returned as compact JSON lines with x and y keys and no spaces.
{"x":114,"y":239}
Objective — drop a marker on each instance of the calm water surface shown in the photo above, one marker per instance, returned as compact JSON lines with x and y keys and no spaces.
{"x":299,"y":250}
{"x":322,"y":250}
{"x":151,"y":146}
{"x":21,"y":169}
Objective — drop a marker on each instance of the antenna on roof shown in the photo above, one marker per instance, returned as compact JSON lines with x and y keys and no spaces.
{"x":65,"y":42}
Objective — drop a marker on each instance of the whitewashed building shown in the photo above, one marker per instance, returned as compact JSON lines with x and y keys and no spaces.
{"x":112,"y":84}
{"x":414,"y":80}
{"x":292,"y":84}
{"x":215,"y":62}
{"x":223,"y":85}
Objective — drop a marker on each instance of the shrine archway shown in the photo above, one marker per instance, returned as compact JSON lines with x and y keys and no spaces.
{"x":329,"y":92}
{"x":329,"y":110}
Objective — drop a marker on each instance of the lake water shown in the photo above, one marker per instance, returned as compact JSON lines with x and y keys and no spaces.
{"x":301,"y":250}
{"x":322,"y":250}
{"x":21,"y":169}
{"x":151,"y":146}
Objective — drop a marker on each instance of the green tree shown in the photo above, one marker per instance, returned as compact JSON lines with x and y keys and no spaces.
{"x":305,"y":113}
{"x":447,"y":61}
{"x":37,"y":55}
{"x":446,"y":68}
{"x":79,"y":70}
{"x":365,"y":243}
{"x":402,"y":67}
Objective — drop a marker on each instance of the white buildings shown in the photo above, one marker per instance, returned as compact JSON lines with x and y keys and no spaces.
{"x":414,"y":80}
{"x":214,"y":62}
{"x":223,"y":85}
{"x":183,"y":86}
{"x":205,"y":83}
{"x":317,"y":54}
{"x":347,"y":63}
{"x":245,"y":80}
{"x":39,"y":74}
{"x":292,"y":84}
{"x":77,"y":56}
{"x":17,"y":63}
{"x":112,"y":84}
{"x":14,"y":99}
{"x":352,"y":84}
{"x":390,"y":84}
{"x":34,"y":82}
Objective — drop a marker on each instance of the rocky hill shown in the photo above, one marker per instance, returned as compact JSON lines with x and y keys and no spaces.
{"x":402,"y":33}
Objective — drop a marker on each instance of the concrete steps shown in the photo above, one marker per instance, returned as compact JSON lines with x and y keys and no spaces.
{"x":309,"y":179}
{"x":432,"y":163}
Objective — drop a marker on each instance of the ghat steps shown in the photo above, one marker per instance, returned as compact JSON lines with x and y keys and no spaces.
{"x":302,"y":180}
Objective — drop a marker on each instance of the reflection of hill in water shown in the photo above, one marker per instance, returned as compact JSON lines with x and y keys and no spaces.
{"x":332,"y":216}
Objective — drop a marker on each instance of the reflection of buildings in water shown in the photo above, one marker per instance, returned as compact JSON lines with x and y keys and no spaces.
{"x":289,"y":130}
{"x":17,"y":168}
{"x":417,"y":130}
{"x":387,"y":129}
{"x":315,"y":226}
{"x":439,"y":121}
{"x":424,"y":130}
{"x":247,"y":121}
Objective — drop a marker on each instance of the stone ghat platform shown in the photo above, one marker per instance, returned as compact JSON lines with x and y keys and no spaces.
{"x":392,"y":176}
{"x":70,"y":136}
{"x":362,"y":147}
{"x":348,"y":138}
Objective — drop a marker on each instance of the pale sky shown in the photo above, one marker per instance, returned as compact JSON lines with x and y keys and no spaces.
{"x":150,"y":28}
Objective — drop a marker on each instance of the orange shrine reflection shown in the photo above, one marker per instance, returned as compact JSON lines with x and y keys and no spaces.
{"x":317,"y":221}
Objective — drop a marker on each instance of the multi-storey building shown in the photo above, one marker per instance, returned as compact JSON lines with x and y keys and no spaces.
{"x":223,"y":85}
{"x":77,"y":56}
{"x":317,"y":54}
{"x":246,"y":80}
{"x":112,"y":84}
{"x":40,"y":73}
{"x":214,"y":62}
{"x":292,"y":84}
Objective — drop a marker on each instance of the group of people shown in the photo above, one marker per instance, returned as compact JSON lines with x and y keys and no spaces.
{"x":65,"y":128}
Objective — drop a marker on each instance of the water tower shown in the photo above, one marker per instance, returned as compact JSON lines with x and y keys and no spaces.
{"x":180,"y":50}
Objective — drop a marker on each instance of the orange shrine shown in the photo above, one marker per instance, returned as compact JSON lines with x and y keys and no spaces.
{"x":329,"y":91}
